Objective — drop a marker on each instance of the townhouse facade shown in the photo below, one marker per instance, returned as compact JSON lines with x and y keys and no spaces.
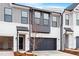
{"x":70,"y":33}
{"x":24,"y":28}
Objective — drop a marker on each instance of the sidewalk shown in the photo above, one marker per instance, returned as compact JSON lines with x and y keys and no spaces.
{"x":51,"y":53}
{"x":6,"y":53}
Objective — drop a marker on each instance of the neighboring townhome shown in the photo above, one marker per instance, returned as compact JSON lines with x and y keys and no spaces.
{"x":14,"y":31}
{"x":24,"y":28}
{"x":46,"y":30}
{"x":70,"y":34}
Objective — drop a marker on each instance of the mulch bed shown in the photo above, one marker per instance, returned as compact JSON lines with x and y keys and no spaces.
{"x":72,"y":51}
{"x":23,"y":54}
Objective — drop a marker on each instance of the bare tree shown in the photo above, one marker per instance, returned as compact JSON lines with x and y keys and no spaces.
{"x":34,"y":42}
{"x":35,"y":33}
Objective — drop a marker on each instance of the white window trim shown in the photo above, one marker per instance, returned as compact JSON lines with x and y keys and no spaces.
{"x":24,"y":12}
{"x":67,"y":19}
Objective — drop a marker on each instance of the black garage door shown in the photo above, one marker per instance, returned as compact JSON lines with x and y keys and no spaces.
{"x":45,"y":44}
{"x":77,"y":42}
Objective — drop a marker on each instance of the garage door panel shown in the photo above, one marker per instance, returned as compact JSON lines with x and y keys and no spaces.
{"x":77,"y":42}
{"x":45,"y":43}
{"x":6,"y":43}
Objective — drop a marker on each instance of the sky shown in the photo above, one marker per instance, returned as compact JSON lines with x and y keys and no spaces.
{"x":47,"y":5}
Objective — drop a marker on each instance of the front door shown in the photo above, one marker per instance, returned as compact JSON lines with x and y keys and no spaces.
{"x":21,"y":43}
{"x":66,"y":41}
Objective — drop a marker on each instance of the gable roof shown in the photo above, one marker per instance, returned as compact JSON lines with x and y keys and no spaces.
{"x":72,"y":6}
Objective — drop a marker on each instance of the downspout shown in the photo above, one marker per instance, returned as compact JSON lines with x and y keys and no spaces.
{"x":61,"y":33}
{"x":17,"y":41}
{"x":30,"y":26}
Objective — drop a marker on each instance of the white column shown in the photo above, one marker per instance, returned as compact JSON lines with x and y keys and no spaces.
{"x":58,"y":44}
{"x":27,"y":44}
{"x":63,"y":42}
{"x":14,"y":43}
{"x":74,"y":42}
{"x":18,"y":41}
{"x":70,"y":41}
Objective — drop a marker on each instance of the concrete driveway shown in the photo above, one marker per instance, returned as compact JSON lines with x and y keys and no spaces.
{"x":51,"y":53}
{"x":6,"y":53}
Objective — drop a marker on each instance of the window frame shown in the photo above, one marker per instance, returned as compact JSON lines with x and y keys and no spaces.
{"x":77,"y":20}
{"x":55,"y":22}
{"x":67,"y":20}
{"x":24,"y":17}
{"x":7,"y":14}
{"x":37,"y":18}
{"x":46,"y":19}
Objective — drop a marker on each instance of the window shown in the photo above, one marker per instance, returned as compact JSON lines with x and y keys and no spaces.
{"x":66,"y":19}
{"x":37,"y":17}
{"x":77,"y":18}
{"x":7,"y":15}
{"x":24,"y":17}
{"x":54,"y":22}
{"x":46,"y":18}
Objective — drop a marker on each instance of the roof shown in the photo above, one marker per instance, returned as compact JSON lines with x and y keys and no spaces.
{"x":21,"y":5}
{"x":72,"y":6}
{"x":38,"y":9}
{"x":68,"y":29}
{"x":44,"y":10}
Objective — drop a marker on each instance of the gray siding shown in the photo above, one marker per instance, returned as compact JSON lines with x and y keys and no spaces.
{"x":41,"y":27}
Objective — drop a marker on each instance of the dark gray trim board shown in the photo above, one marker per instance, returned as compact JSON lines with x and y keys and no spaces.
{"x":19,"y":28}
{"x":68,"y":29}
{"x":61,"y":33}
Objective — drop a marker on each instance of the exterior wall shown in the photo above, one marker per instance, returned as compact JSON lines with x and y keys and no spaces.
{"x":9,"y":28}
{"x":41,"y":27}
{"x":54,"y":33}
{"x":16,"y":12}
{"x":76,"y":28}
{"x":73,"y":26}
{"x":70,"y":38}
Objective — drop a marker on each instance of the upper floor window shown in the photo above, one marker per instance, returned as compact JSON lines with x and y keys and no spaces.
{"x":77,"y":18}
{"x":66,"y":19}
{"x":46,"y":18}
{"x":7,"y":15}
{"x":54,"y":22}
{"x":37,"y":17}
{"x":24,"y":17}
